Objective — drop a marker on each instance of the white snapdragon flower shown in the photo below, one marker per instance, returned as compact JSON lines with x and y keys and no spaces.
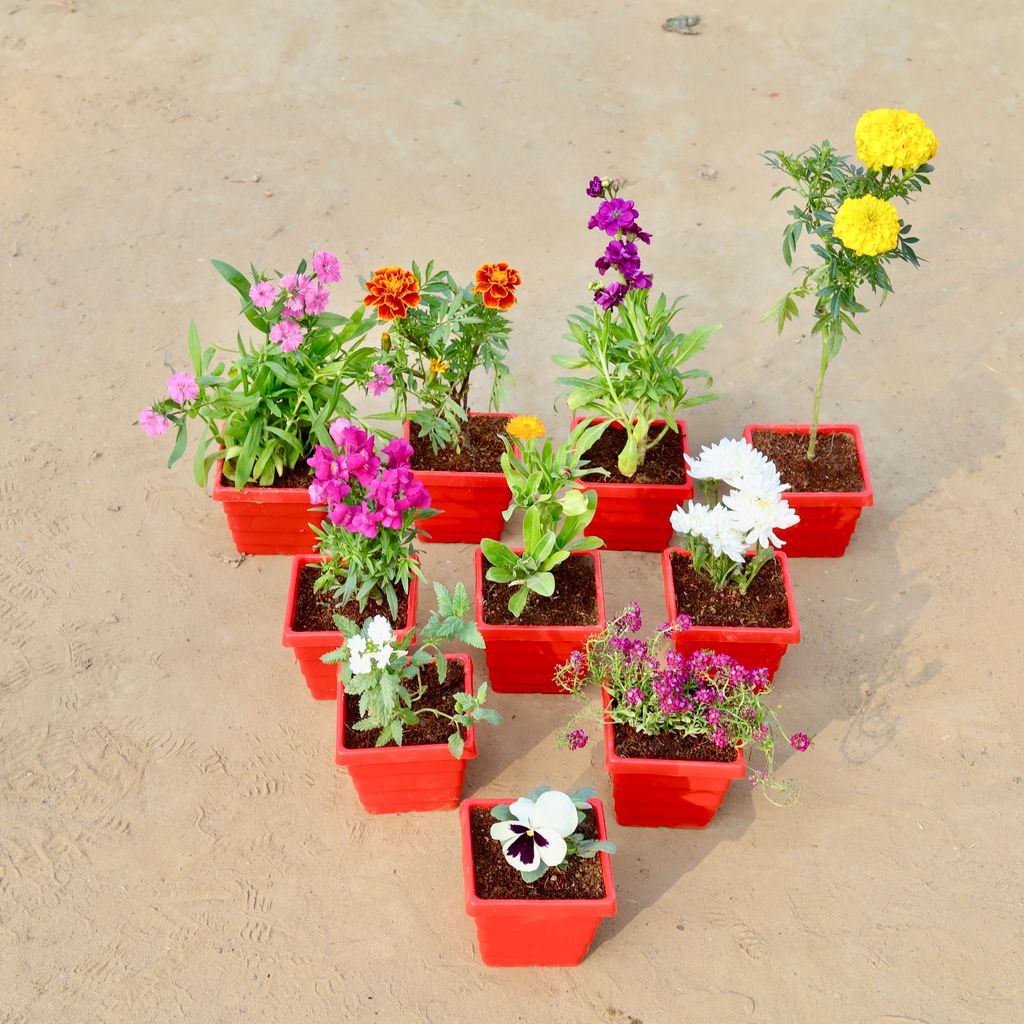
{"x":539,"y":831}
{"x":379,"y":631}
{"x":757,"y":515}
{"x":731,"y":461}
{"x":722,"y":532}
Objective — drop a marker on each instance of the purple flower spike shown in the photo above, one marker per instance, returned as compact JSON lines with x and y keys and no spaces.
{"x":611,"y":296}
{"x":613,"y":216}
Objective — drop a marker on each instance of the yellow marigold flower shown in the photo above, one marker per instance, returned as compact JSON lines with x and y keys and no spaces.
{"x":438,"y":366}
{"x":868,"y":225}
{"x":525,"y":428}
{"x":894,"y":138}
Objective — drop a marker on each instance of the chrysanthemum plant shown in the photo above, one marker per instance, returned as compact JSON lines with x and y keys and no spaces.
{"x":733,"y":536}
{"x":544,"y":482}
{"x":632,"y":357}
{"x":440,"y":333}
{"x":385,"y":672}
{"x":375,"y":507}
{"x":654,"y":689}
{"x":854,"y":228}
{"x":539,"y":832}
{"x":263,"y":412}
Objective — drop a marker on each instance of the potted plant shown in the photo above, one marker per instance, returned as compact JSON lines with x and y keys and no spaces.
{"x":540,"y":601}
{"x":730,"y":579}
{"x":261,"y":415}
{"x":677,"y":728}
{"x":439,"y":335}
{"x":855,"y":230}
{"x":538,"y":876}
{"x":633,"y":377}
{"x":366,"y":563}
{"x":407,"y":716}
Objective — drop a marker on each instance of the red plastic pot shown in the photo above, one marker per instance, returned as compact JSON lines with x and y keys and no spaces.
{"x":827,"y":518}
{"x":471,"y":503}
{"x":393,"y":780}
{"x":309,"y":646}
{"x":267,"y":520}
{"x":751,"y":646}
{"x":534,"y":933}
{"x":635,"y":517}
{"x":522,"y":659}
{"x":657,"y":793}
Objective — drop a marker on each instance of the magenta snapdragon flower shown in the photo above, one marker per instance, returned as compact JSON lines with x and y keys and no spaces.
{"x":262,"y":294}
{"x":326,"y":266}
{"x":153,"y":423}
{"x":381,"y":380}
{"x":182,"y":387}
{"x":288,"y":333}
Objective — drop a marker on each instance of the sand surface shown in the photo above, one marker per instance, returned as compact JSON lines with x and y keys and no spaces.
{"x":175,"y":840}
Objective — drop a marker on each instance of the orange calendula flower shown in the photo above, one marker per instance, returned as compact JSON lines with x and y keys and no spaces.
{"x":393,"y":291}
{"x":525,"y":428}
{"x":497,"y":282}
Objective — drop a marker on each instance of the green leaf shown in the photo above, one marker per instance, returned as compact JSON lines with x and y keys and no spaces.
{"x":456,"y":744}
{"x":498,"y":554}
{"x":180,"y":443}
{"x":195,"y":349}
{"x":542,"y":583}
{"x":240,"y":283}
{"x":517,"y":602}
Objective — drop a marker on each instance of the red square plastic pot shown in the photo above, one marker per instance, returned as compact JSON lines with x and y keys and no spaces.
{"x":267,"y":520}
{"x":310,"y":646}
{"x":827,"y":518}
{"x":393,"y":780}
{"x":534,"y":933}
{"x":635,"y":517}
{"x":657,"y":793}
{"x":522,"y":659}
{"x":751,"y":646}
{"x":471,"y":504}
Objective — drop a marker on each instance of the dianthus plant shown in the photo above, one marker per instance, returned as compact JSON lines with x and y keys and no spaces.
{"x":386,"y":672}
{"x":631,"y":356}
{"x":540,"y":831}
{"x":262,"y":413}
{"x":652,"y":688}
{"x":741,"y":522}
{"x":438,"y":336}
{"x":545,"y":483}
{"x":846,"y":212}
{"x":375,"y":507}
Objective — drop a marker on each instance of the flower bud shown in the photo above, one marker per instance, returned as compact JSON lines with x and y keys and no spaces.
{"x":385,"y":342}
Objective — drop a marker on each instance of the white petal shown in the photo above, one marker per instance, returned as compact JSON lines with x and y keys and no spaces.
{"x":502,"y":830}
{"x":521,"y":809}
{"x":554,"y":853}
{"x":555,"y":811}
{"x":520,"y":865}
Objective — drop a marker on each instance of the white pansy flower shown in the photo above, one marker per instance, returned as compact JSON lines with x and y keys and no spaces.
{"x":731,"y":461}
{"x":379,"y":631}
{"x":757,"y":516}
{"x":538,"y":833}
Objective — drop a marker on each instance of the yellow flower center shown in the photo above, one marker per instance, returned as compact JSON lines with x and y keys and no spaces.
{"x":525,"y":428}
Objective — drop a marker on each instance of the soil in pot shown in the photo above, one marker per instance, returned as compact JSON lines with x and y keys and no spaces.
{"x":663,"y":463}
{"x":431,"y":728}
{"x":300,"y":475}
{"x":668,"y":746}
{"x":479,"y":448}
{"x":764,"y":605}
{"x":835,"y":466}
{"x":496,"y":879}
{"x":574,"y":602}
{"x":314,"y":612}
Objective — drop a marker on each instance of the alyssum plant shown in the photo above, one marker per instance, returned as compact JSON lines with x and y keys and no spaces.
{"x":385,"y":672}
{"x":440,"y":333}
{"x":707,"y":697}
{"x":262,"y":413}
{"x":544,"y":482}
{"x":720,"y":534}
{"x":855,"y":230}
{"x":632,"y":357}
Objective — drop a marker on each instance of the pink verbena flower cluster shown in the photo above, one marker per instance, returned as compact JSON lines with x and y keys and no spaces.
{"x":299,"y":296}
{"x":362,"y":491}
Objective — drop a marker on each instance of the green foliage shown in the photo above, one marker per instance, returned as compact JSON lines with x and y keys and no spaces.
{"x":633,"y":363}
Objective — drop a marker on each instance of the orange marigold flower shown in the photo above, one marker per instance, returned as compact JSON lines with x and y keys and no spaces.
{"x":393,"y":290}
{"x":497,"y":282}
{"x":439,"y":366}
{"x":525,"y":428}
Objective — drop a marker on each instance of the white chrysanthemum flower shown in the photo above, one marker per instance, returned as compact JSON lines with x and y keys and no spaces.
{"x":379,"y":631}
{"x":724,"y":536}
{"x":539,"y":831}
{"x":689,"y":520}
{"x":731,"y":461}
{"x":757,"y":516}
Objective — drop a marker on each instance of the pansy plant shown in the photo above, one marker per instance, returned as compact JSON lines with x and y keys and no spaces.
{"x":540,"y":831}
{"x":385,"y":671}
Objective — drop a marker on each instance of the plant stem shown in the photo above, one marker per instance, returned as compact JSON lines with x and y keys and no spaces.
{"x":816,"y":413}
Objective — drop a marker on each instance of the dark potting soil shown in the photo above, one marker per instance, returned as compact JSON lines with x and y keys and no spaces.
{"x":299,"y":475}
{"x":668,"y":746}
{"x":496,"y":879}
{"x":479,"y":449}
{"x":763,"y":605}
{"x":431,"y":728}
{"x":835,"y":466}
{"x":574,"y":602}
{"x":314,"y":612}
{"x":663,"y":463}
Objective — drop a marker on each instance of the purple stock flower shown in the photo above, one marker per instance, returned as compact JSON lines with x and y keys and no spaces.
{"x":613,"y":216}
{"x":611,"y":296}
{"x":636,"y":232}
{"x":595,"y":189}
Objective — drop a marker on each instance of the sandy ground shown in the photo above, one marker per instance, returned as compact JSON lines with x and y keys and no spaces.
{"x":175,"y":840}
